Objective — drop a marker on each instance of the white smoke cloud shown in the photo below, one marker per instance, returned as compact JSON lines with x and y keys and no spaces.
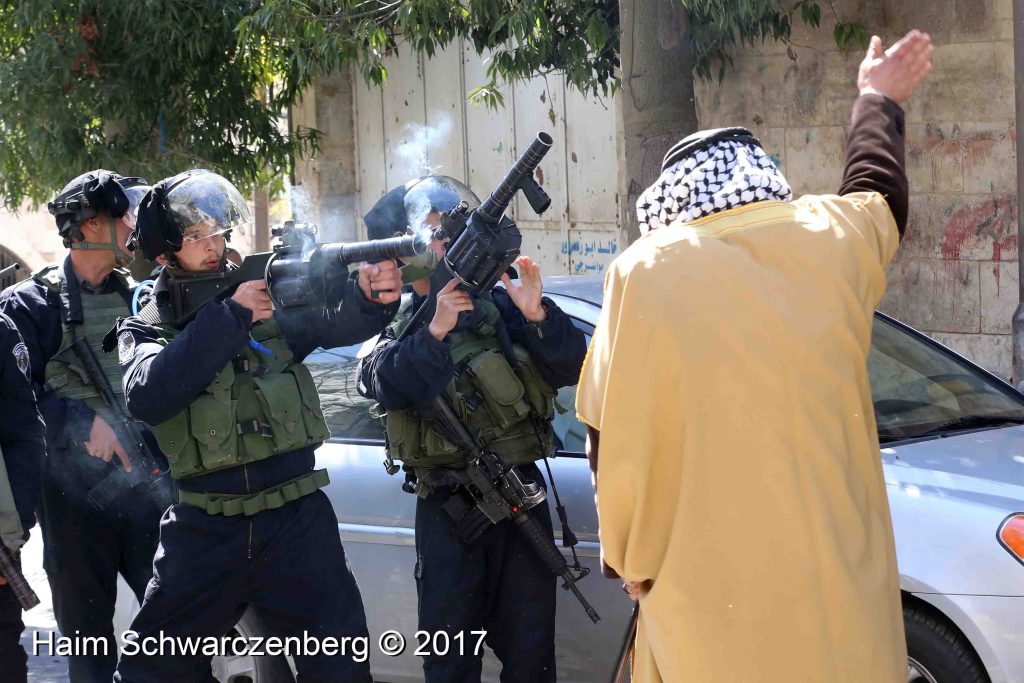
{"x":332,"y":215}
{"x":303,"y":209}
{"x":412,"y":157}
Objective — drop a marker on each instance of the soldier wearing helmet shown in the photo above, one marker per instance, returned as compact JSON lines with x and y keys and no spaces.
{"x":238,"y":416}
{"x":86,"y":543}
{"x":472,"y":575}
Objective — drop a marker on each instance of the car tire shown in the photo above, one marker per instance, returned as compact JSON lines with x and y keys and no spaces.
{"x":251,"y":669}
{"x":937,"y":651}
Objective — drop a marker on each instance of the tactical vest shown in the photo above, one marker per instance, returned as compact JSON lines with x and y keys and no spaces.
{"x":258,"y":406}
{"x":507,"y":409}
{"x":64,"y":374}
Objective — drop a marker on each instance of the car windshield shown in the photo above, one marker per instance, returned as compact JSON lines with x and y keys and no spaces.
{"x":920,"y":391}
{"x":347,"y":413}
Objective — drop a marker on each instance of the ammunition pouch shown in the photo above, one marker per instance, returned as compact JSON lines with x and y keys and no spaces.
{"x":250,"y":504}
{"x":258,"y":406}
{"x":509,"y":409}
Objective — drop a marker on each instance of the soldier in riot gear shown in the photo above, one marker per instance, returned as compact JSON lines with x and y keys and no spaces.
{"x":86,"y":544}
{"x":237,"y":414}
{"x":472,"y":575}
{"x":22,"y":446}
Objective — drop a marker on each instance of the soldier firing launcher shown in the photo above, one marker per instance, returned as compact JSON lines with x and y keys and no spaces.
{"x":298,"y":272}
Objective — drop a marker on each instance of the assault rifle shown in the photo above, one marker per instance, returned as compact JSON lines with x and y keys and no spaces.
{"x":4,"y":272}
{"x":298,"y":271}
{"x":500,"y":492}
{"x":146,"y":471}
{"x":27,"y":597}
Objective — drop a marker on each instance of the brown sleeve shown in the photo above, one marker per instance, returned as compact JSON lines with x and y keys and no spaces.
{"x":875,"y":155}
{"x":593,"y":445}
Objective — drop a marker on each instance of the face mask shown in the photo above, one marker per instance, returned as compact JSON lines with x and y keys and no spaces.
{"x":419,"y":267}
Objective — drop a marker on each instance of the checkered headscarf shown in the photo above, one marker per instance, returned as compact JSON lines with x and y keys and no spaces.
{"x":723,"y":176}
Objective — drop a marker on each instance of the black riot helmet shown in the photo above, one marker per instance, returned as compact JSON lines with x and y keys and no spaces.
{"x":404,"y":210}
{"x":87,"y":196}
{"x":196,"y":197}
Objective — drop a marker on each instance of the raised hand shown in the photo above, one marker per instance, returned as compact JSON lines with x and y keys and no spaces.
{"x":898,"y":71}
{"x":526,"y":292}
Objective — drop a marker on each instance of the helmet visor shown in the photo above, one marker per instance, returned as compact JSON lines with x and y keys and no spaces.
{"x":135,"y":195}
{"x":434,"y":194}
{"x":209,"y":201}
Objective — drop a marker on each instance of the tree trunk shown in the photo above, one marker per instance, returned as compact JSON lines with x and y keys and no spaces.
{"x":657,"y":99}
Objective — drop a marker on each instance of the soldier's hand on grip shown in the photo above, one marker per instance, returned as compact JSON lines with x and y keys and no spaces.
{"x":104,"y":444}
{"x":381,"y":282}
{"x":253,"y":295}
{"x":450,"y":302}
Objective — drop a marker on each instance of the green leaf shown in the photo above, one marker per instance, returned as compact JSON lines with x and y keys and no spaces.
{"x":595,"y":33}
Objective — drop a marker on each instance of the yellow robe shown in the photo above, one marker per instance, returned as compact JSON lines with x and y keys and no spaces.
{"x":739,"y":464}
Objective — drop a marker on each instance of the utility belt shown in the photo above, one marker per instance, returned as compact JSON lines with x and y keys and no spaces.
{"x":249,"y":504}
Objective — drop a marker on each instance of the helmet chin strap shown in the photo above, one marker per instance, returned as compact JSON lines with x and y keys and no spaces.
{"x":121,"y":257}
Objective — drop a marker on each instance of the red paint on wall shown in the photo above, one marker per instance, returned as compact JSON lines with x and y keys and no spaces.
{"x":994,"y":219}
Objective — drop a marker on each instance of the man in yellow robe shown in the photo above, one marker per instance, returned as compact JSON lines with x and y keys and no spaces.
{"x":740,"y":489}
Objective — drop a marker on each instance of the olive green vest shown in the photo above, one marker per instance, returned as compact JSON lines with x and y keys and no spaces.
{"x":258,"y":406}
{"x":11,"y":533}
{"x":508,"y":410}
{"x":64,"y":374}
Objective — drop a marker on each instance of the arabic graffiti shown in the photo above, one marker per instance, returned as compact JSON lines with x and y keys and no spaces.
{"x":590,"y":253}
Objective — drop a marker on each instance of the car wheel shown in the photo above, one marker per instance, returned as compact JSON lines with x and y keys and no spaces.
{"x":250,"y":668}
{"x":937,"y":651}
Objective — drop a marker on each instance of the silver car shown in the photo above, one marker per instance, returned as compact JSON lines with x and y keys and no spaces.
{"x":953,"y":457}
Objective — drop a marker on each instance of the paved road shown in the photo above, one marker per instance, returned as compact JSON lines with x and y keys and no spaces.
{"x":39,"y":621}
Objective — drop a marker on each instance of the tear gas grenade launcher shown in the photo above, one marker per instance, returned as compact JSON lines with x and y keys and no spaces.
{"x":298,"y":272}
{"x":485,"y":242}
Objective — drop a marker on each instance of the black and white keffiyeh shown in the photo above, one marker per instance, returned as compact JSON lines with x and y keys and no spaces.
{"x":723,"y":176}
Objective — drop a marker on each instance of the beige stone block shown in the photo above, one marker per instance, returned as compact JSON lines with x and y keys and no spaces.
{"x":935,"y":17}
{"x":814,"y":159}
{"x":767,"y":90}
{"x":968,"y":82}
{"x":947,"y":21}
{"x":840,"y":86}
{"x":1000,"y":294}
{"x":934,"y":158}
{"x":994,"y":352}
{"x":979,"y":20}
{"x":936,"y":296}
{"x":968,"y":227}
{"x":990,"y":158}
{"x":773,"y":141}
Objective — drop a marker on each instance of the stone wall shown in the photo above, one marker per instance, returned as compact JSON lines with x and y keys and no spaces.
{"x":956,"y":274}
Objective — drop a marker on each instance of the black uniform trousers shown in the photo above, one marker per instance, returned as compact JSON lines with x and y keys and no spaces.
{"x":498,"y":584}
{"x":85,"y":549}
{"x":13,"y":659}
{"x":287,"y":563}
